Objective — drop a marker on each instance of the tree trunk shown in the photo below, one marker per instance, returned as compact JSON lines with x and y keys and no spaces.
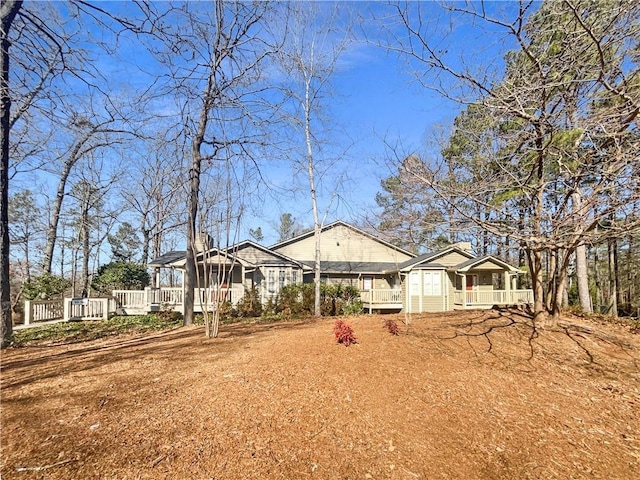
{"x":535,"y":267}
{"x":596,"y":279}
{"x":612,"y":247}
{"x":84,"y":232}
{"x":8,"y":11}
{"x":312,"y":191}
{"x":52,"y":231}
{"x":582,"y":272}
{"x":582,"y":279}
{"x":192,"y":210}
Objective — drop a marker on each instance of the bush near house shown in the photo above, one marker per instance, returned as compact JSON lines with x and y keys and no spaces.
{"x":45,"y":287}
{"x":120,"y":276}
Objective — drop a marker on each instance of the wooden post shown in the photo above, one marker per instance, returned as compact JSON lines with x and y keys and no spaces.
{"x":28,"y":312}
{"x":66,"y":309}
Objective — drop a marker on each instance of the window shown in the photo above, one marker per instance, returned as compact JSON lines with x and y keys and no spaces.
{"x":282,"y":275}
{"x":432,"y":284}
{"x":271,"y":280}
{"x":294,"y":277}
{"x":367,"y":283}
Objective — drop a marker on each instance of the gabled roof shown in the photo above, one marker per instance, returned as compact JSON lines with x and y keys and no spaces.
{"x":364,"y":268}
{"x":473,"y":262}
{"x":341,"y":223}
{"x":426,"y":258}
{"x":169,"y":259}
{"x":177,"y":258}
{"x":237,"y":247}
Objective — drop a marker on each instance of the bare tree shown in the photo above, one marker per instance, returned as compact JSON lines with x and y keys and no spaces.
{"x":566,"y":108}
{"x":8,"y":12}
{"x":89,"y":132}
{"x":213,"y":58}
{"x":315,"y":43}
{"x":155,"y":200}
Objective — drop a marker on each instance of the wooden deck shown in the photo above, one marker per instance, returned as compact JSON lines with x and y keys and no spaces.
{"x":470,"y":299}
{"x":172,"y":299}
{"x":381,"y":299}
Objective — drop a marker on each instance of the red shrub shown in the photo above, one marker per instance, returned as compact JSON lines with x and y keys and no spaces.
{"x":392,"y":327}
{"x":344,"y":333}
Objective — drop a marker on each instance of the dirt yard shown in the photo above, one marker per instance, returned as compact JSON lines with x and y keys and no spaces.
{"x":475,"y":395}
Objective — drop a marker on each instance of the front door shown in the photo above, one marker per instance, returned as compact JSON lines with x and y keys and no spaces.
{"x":472,"y":281}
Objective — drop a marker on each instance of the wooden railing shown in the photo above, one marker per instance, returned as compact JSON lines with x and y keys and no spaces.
{"x":206,"y":297}
{"x":164,"y":296}
{"x":88,"y":308}
{"x":381,"y":296}
{"x":172,"y":297}
{"x":492,"y":297}
{"x":43,"y":310}
{"x":130,"y":298}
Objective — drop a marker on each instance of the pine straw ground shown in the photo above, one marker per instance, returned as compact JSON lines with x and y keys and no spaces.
{"x":473,"y":395}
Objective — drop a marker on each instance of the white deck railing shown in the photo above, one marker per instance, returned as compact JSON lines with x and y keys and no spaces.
{"x":42,"y":310}
{"x":164,"y":296}
{"x":492,"y":297}
{"x":88,"y":308}
{"x":173,"y":297}
{"x":130,"y":298}
{"x":381,"y":296}
{"x":208,"y":296}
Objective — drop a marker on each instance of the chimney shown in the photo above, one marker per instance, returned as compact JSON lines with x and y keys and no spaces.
{"x":203,"y":242}
{"x":465,"y":246}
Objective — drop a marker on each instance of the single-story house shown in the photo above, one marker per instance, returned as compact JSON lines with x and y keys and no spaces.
{"x":454,"y":278}
{"x":389,"y":278}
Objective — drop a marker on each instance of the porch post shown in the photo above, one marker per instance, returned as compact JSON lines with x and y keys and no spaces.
{"x":183,"y":293}
{"x":507,"y":286}
{"x":464,"y":291}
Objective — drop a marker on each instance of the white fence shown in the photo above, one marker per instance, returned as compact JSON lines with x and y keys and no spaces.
{"x":172,"y":298}
{"x":88,"y":308}
{"x":381,"y":296}
{"x":68,"y":309}
{"x":42,"y":310}
{"x":492,"y":297}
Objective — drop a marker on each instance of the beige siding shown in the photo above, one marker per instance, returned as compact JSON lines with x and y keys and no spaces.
{"x":488,"y":266}
{"x":341,"y":244}
{"x":421,"y":301}
{"x":255,"y":255}
{"x":450,"y":259}
{"x":451,"y":286}
{"x":485,"y":281}
{"x":404,"y":294}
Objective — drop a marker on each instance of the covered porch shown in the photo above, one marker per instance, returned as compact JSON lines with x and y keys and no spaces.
{"x":381,"y":299}
{"x":485,"y":282}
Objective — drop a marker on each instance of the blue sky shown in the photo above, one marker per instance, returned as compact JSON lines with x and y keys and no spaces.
{"x":374,"y":98}
{"x":377,"y":100}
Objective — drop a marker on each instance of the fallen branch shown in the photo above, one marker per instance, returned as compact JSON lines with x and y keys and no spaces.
{"x":43,"y":467}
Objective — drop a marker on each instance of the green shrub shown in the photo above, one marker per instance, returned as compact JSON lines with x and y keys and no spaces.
{"x":289,"y":302}
{"x":72,"y":332}
{"x":120,"y":276}
{"x":249,"y":305}
{"x":340,"y":299}
{"x":353,"y":308}
{"x":45,"y":287}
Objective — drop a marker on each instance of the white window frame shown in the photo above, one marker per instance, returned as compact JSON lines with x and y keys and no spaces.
{"x":432,"y":284}
{"x":271,"y":280}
